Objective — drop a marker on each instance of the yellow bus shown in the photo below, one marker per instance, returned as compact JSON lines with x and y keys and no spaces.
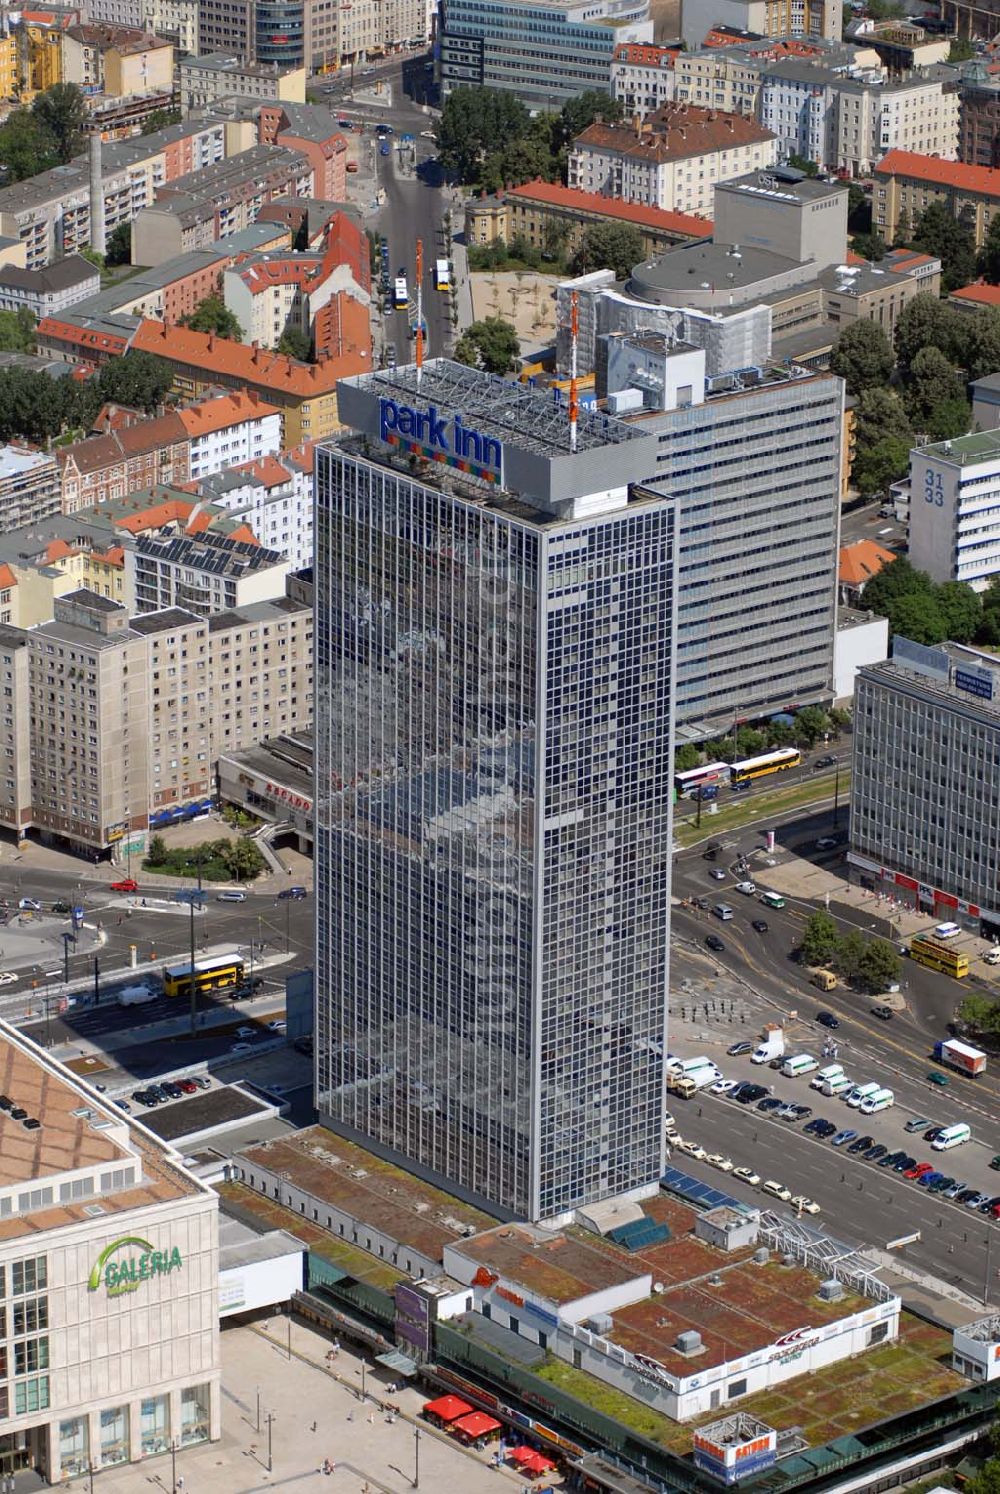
{"x":767,"y":762}
{"x":939,"y":956}
{"x":209,"y":975}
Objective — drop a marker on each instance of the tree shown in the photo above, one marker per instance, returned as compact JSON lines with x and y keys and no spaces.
{"x":901,"y":237}
{"x":919,"y":618}
{"x":686,"y":757}
{"x":877,"y":466}
{"x":859,"y":209}
{"x":962,"y":609}
{"x":961,"y":49}
{"x":869,"y":245}
{"x":951,"y":239}
{"x":849,"y":954}
{"x":156,"y":853}
{"x":931,"y":382}
{"x":819,"y":939}
{"x":119,"y":246}
{"x":989,"y":254}
{"x":583,"y":110}
{"x":927,"y":322}
{"x":986,"y":1481}
{"x":17,"y":331}
{"x":160,"y":119}
{"x":139,"y":379}
{"x":25,"y":147}
{"x":811,"y":723}
{"x":491,"y":344}
{"x":296,"y":343}
{"x":878,"y":967}
{"x":862,"y":355}
{"x":242,"y":858}
{"x":62,"y":115}
{"x":802,"y":163}
{"x":979,"y":1013}
{"x":555,"y":234}
{"x":609,"y":246}
{"x":520,"y":160}
{"x":883,"y":441}
{"x":474,"y":122}
{"x":897,"y":580}
{"x":213,"y":315}
{"x":982,"y":347}
{"x":885,"y":10}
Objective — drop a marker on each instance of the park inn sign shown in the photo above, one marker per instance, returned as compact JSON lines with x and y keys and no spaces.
{"x":120,"y":1274}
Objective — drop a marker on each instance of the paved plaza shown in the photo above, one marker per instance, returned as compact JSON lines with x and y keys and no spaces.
{"x":307,"y":1413}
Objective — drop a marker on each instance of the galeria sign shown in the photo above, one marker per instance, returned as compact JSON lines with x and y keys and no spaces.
{"x":127,"y":1273}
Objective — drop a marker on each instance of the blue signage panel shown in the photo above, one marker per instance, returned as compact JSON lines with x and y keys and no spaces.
{"x":974,"y":681}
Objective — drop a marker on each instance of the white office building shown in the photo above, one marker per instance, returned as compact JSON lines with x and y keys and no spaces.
{"x":955,"y":509}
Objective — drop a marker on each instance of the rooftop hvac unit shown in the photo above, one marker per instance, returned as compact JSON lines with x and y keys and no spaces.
{"x":601,"y":1322}
{"x":830,"y":1291}
{"x":688,"y":1342}
{"x":761,"y":1256}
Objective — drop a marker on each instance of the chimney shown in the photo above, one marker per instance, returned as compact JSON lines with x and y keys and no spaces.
{"x":98,"y":239}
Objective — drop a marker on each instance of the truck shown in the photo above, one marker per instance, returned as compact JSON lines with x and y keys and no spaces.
{"x":961,"y":1056}
{"x":771,"y":1045}
{"x":135,"y":996}
{"x":686,"y":1085}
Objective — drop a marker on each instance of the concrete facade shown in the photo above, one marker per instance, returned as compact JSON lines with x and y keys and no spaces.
{"x":822,"y":19}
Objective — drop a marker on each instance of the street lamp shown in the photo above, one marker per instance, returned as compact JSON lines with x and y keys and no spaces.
{"x":416,"y":1457}
{"x":173,"y":1463}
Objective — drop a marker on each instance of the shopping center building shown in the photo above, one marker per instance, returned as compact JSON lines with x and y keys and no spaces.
{"x":109,"y":1351}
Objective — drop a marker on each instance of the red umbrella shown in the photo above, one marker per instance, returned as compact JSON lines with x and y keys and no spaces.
{"x":447,"y":1408}
{"x":476,"y":1425}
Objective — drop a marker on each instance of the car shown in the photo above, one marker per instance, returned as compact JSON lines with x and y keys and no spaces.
{"x":827,"y":1019}
{"x":61,"y":906}
{"x":995,"y":1164}
{"x":990,"y":1205}
{"x":966,"y":1193}
{"x":714,"y":942}
{"x":933,"y":1133}
{"x":918,"y":1170}
{"x":700,"y":902}
{"x":804,"y":1205}
{"x":884,"y":1013}
{"x":776,"y":1190}
{"x":916,"y":1124}
{"x":875,"y":1153}
{"x":843,"y":1136}
{"x":825,"y":762}
{"x":747,"y":1175}
{"x":928,"y":1179}
{"x":977,"y":1200}
{"x":241,"y":1048}
{"x":693,"y":1150}
{"x":802,"y":1111}
{"x":957,"y":1188}
{"x":143,"y":1097}
{"x":279,"y":1024}
{"x":825,"y":843}
{"x":941,"y":1183}
{"x":672,"y":1137}
{"x":7,"y":977}
{"x":814,"y":1127}
{"x":719,"y":1161}
{"x":246,"y":1032}
{"x":231,"y":895}
{"x":187,"y":1086}
{"x":383,"y":149}
{"x":741,"y":788}
{"x":171,"y":1090}
{"x":202,"y":1081}
{"x":760,"y":925}
{"x":292,"y":894}
{"x":127,"y":884}
{"x":717,"y":874}
{"x":123,"y":1105}
{"x":427,"y":135}
{"x":771,"y":1103}
{"x":736,"y":1050}
{"x":709,"y":853}
{"x":941,"y":1080}
{"x":904,"y":1164}
{"x":890,"y":1159}
{"x":29,"y":905}
{"x":747,"y":888}
{"x":785,"y":1108}
{"x":861,"y":1144}
{"x":777,"y":1063}
{"x":751,"y":1093}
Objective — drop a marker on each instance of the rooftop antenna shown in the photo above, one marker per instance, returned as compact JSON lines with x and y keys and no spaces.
{"x":420,"y":311}
{"x":574,"y":328}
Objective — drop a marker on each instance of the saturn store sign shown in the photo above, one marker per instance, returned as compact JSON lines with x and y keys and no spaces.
{"x":127,"y":1262}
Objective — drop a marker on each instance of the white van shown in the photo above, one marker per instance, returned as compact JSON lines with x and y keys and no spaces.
{"x":951,"y":1136}
{"x":799,"y":1063}
{"x":860,"y":1093}
{"x":832,"y":1071}
{"x":880,"y":1100}
{"x":834,"y":1088}
{"x":723,"y":911}
{"x":687,"y":1066}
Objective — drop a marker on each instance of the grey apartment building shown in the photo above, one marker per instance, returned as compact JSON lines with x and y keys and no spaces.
{"x":493,"y":717}
{"x":925,"y":786}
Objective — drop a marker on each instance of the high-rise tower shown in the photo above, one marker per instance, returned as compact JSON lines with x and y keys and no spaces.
{"x":495,"y":603}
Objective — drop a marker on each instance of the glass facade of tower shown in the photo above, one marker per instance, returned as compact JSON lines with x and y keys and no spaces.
{"x":493,"y":833}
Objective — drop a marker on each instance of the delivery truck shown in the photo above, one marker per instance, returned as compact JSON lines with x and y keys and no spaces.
{"x":135,"y":996}
{"x":961,"y":1056}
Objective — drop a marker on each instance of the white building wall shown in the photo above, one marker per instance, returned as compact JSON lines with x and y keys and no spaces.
{"x":955,"y":518}
{"x":260,"y":1283}
{"x":854,"y":647}
{"x":244,"y":442}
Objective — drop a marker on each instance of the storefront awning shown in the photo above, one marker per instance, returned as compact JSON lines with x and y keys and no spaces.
{"x":398,"y":1363}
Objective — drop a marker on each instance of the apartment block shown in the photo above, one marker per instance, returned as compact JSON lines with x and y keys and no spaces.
{"x":15,"y":728}
{"x":261,"y":673}
{"x":907,"y":183}
{"x":29,"y":487}
{"x":642,"y":77}
{"x":88,"y":696}
{"x":929,"y":836}
{"x":313,"y":132}
{"x":221,"y":75}
{"x":123,"y":461}
{"x":545,"y":51}
{"x":271,"y":294}
{"x":980,"y":115}
{"x":955,"y":509}
{"x":817,"y":19}
{"x":673,"y":160}
{"x":725,"y":78}
{"x":180,"y":706}
{"x":274,"y":499}
{"x":228,"y":26}
{"x":122,"y":61}
{"x":49,"y":291}
{"x":205,"y":573}
{"x":538,"y":210}
{"x":176,"y":20}
{"x":229,"y":429}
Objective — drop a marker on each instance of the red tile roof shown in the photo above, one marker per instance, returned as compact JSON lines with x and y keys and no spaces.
{"x":342,"y":323}
{"x":610,"y":207}
{"x":677,"y":132}
{"x":978,"y":295}
{"x":254,"y":366}
{"x":267,"y":470}
{"x":227,"y":409}
{"x":646,"y":56}
{"x":84,"y":337}
{"x":860,"y":562}
{"x":983,"y":179}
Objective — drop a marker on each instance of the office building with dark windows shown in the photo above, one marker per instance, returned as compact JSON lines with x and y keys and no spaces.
{"x":493,"y":729}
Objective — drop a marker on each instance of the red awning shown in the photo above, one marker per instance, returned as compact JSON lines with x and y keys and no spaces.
{"x":447,"y":1408}
{"x":529,"y":1458}
{"x":476,"y":1425}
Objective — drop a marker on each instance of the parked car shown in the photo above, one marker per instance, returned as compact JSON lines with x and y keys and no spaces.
{"x":916,"y":1124}
{"x":747,"y":1175}
{"x":171,"y":1090}
{"x":825,"y":843}
{"x":918,"y":1170}
{"x":770,"y":1104}
{"x":804,"y":1205}
{"x":776,"y":1190}
{"x":825,"y":762}
{"x":718,"y":1160}
{"x":714,"y":942}
{"x":861,"y":1144}
{"x":187,"y":1086}
{"x":842,"y":1136}
{"x":29,"y":905}
{"x":884,"y":1013}
{"x":876,"y":1153}
{"x":928,"y":1179}
{"x":890,"y":1159}
{"x":736,"y":1050}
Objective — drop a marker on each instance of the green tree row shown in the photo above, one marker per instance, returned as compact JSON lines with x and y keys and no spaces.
{"x":35,"y":407}
{"x":48,"y":134}
{"x":810,"y":725}
{"x":218,"y":860}
{"x":981,"y":1014}
{"x":932,"y":612}
{"x":489,"y":140}
{"x":871,"y":964}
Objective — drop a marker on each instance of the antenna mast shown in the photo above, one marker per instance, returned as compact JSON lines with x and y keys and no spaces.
{"x":574,"y":327}
{"x":420,"y":310}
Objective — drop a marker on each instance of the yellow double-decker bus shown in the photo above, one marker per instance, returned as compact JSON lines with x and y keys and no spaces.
{"x":209,"y":975}
{"x":937,"y":955}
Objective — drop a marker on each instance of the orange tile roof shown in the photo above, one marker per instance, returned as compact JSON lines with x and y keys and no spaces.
{"x":7,"y":577}
{"x":983,"y":179}
{"x":860,"y":562}
{"x":225,"y":410}
{"x":979,"y":295}
{"x":610,"y":207}
{"x":51,"y":326}
{"x":343,"y":323}
{"x":676,"y":133}
{"x":274,"y":371}
{"x":267,"y":470}
{"x":640,"y":55}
